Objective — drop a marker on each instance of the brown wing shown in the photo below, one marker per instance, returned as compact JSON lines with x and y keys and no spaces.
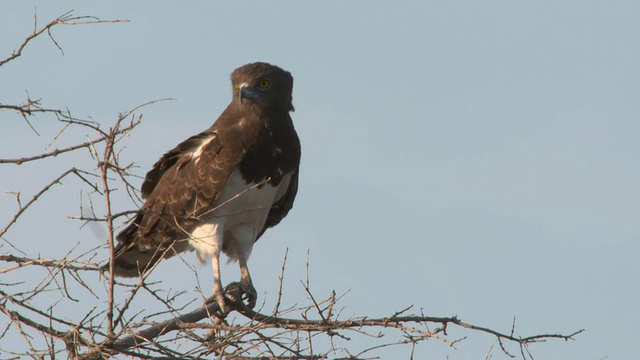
{"x":183,"y":185}
{"x":169,"y":159}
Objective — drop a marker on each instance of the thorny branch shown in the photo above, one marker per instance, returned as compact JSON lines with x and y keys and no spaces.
{"x":103,"y":319}
{"x":65,"y":19}
{"x":260,"y":322}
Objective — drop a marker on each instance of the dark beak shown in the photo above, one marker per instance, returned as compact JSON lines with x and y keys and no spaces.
{"x":243,"y":92}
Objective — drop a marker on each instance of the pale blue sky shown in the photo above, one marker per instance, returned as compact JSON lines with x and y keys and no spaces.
{"x":478,"y":159}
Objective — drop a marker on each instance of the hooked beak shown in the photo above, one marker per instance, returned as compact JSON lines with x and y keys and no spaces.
{"x":243,"y":91}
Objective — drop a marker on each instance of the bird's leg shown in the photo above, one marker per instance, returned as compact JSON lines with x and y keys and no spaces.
{"x":244,"y":237}
{"x":243,"y":290}
{"x":207,"y":241}
{"x":218,"y":293}
{"x":248,"y":290}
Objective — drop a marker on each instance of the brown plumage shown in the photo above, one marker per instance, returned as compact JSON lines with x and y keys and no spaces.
{"x":221,"y":189}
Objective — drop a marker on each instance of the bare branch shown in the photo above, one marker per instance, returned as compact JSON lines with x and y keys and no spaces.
{"x":53,"y":153}
{"x":261,"y":321}
{"x":35,"y":198}
{"x":76,"y":265}
{"x":64,"y":19}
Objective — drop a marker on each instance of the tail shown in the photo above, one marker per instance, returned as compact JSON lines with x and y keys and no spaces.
{"x":130,"y":261}
{"x":133,"y":259}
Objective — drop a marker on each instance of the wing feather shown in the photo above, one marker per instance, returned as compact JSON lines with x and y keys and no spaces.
{"x":170,"y":158}
{"x":183,"y":185}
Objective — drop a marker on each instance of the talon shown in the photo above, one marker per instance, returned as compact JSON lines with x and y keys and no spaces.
{"x":238,"y":292}
{"x":249,"y":295}
{"x":218,"y":297}
{"x":233,"y":292}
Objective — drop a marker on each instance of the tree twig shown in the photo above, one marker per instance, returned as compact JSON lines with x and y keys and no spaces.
{"x":64,"y":19}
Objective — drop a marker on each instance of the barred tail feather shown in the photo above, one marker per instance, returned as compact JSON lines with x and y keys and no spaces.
{"x":133,"y":260}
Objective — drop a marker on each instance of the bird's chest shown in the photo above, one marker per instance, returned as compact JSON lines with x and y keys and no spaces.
{"x":247,"y":203}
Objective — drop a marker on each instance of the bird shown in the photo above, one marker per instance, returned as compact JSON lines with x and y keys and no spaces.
{"x":219,"y":190}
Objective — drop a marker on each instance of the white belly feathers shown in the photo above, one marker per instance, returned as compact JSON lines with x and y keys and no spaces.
{"x":238,"y":217}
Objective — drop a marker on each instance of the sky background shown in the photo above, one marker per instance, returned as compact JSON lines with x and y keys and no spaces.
{"x":478,"y":159}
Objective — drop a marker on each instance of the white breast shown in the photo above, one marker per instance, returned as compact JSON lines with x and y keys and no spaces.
{"x":239,"y":215}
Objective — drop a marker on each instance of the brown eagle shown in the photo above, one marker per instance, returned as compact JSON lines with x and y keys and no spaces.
{"x":220,"y":190}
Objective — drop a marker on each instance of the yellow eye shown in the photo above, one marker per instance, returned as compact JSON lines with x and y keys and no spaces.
{"x":236,"y":86}
{"x":264,"y":84}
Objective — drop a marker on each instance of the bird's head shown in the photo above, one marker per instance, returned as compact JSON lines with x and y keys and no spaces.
{"x":263,"y":84}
